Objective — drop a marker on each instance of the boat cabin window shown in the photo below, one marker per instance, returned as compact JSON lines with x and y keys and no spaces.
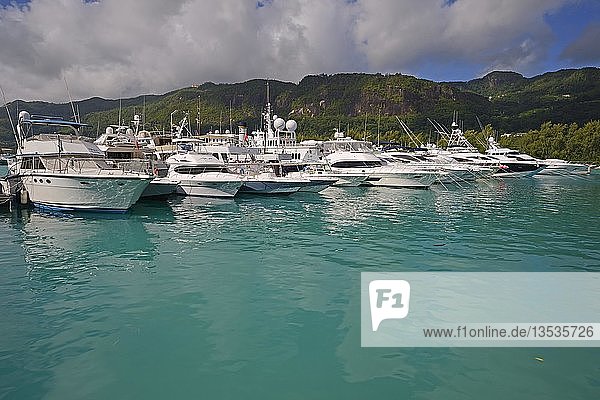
{"x":32,"y":163}
{"x":199,"y":170}
{"x":357,"y":164}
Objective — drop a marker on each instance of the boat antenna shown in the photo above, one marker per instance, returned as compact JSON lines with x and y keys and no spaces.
{"x":71,"y":100}
{"x":144,"y":114}
{"x":221,"y":121}
{"x":120,"y":123}
{"x":198,"y":119}
{"x":230,"y":122}
{"x":378,"y":123}
{"x":9,"y":116}
{"x":268,"y":114}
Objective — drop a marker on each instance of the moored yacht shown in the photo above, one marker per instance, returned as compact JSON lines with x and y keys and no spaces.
{"x":202,"y":175}
{"x":303,"y":171}
{"x":559,"y":167}
{"x":348,"y":156}
{"x":513,"y":164}
{"x":268,"y":179}
{"x":66,"y":172}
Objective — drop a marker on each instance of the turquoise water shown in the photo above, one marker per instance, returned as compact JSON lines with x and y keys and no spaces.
{"x":258,"y":298}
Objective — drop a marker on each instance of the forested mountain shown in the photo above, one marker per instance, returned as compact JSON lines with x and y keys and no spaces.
{"x":506,"y":100}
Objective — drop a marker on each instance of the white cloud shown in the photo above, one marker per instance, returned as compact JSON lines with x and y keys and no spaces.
{"x":492,"y":33}
{"x":114,"y":48}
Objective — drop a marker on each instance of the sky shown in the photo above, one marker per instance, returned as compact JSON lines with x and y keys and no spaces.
{"x":124,"y":48}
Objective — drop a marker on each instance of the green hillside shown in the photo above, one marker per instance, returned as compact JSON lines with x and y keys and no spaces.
{"x":506,"y":100}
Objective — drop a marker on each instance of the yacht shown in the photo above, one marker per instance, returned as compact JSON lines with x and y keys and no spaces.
{"x":513,"y":163}
{"x":302,"y":171}
{"x":348,"y":156}
{"x":559,"y":167}
{"x":276,"y":139}
{"x":120,"y":144}
{"x":68,"y":173}
{"x":268,"y":179}
{"x":202,"y":175}
{"x":448,"y":169}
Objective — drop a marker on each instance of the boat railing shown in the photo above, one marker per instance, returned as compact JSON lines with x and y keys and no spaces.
{"x":91,"y":165}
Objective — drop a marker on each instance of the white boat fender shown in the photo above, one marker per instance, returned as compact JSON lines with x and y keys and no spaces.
{"x":24,"y":197}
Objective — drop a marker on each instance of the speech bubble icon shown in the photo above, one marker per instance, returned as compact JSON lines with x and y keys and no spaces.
{"x":389,"y":299}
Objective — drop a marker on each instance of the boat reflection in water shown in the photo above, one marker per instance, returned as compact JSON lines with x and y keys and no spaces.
{"x":62,"y":247}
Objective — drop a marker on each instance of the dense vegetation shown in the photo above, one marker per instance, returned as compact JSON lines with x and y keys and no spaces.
{"x":366,"y":105}
{"x":566,"y":141}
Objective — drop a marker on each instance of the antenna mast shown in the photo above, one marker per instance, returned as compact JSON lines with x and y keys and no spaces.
{"x":9,"y":117}
{"x":71,"y":100}
{"x":120,"y":123}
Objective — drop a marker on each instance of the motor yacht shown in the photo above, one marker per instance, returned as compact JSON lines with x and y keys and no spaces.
{"x":348,"y":156}
{"x":304,"y":171}
{"x":202,"y":175}
{"x":558,"y":167}
{"x":68,"y":173}
{"x":513,"y":164}
{"x":268,"y":179}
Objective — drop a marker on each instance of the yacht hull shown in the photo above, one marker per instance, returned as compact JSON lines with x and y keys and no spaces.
{"x":81,"y":192}
{"x":519,"y":171}
{"x":271,"y":187}
{"x":409,"y":180}
{"x":348,"y":180}
{"x":209,"y":188}
{"x":565,"y":169}
{"x":317,"y":185}
{"x":160,"y":187}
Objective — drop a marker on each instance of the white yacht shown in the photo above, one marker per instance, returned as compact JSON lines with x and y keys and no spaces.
{"x":302,"y":171}
{"x":513,"y":164}
{"x":348,"y":156}
{"x":276,"y":139}
{"x":268,"y":179}
{"x":449,"y":170}
{"x":120,"y":145}
{"x":68,"y":173}
{"x":202,"y":175}
{"x":559,"y":167}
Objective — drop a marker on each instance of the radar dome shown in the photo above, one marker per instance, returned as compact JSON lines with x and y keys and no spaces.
{"x":227,"y":131}
{"x":129,"y":132}
{"x":136,"y":117}
{"x":217,"y":131}
{"x":291,"y":125}
{"x":279,"y":123}
{"x":109,"y":130}
{"x":24,"y":116}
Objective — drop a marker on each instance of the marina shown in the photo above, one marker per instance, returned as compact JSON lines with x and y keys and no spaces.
{"x":304,"y":200}
{"x":70,"y":172}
